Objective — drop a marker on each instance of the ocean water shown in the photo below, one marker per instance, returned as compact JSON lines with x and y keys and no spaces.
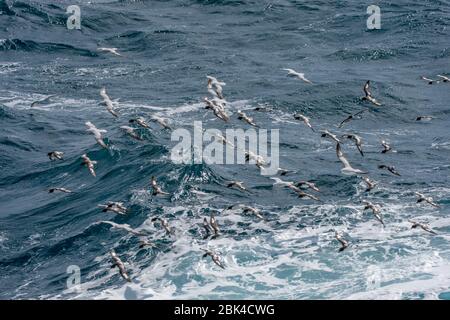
{"x":168,"y":48}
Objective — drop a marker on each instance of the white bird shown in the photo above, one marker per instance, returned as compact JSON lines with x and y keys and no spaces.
{"x":108,"y":102}
{"x":116,"y":207}
{"x":310,"y":185}
{"x":218,"y":109}
{"x":386,"y":147}
{"x":305,"y":119}
{"x":237,"y":184}
{"x":110,"y":50}
{"x":370,"y":184}
{"x":368,"y":94}
{"x":125,"y":227}
{"x":97,"y":133}
{"x":215,"y":87}
{"x":348,"y":169}
{"x":424,"y":118}
{"x":89,"y":164}
{"x":131,"y":132}
{"x":391,"y":169}
{"x":298,"y":75}
{"x":119,"y":264}
{"x":164,"y":224}
{"x":161,"y":121}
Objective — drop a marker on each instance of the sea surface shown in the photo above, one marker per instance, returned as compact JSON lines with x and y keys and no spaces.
{"x":168,"y":48}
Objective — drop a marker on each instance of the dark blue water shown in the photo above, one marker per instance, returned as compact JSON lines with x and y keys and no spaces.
{"x":168,"y":48}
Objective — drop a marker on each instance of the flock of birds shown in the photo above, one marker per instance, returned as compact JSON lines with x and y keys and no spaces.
{"x":218,"y":105}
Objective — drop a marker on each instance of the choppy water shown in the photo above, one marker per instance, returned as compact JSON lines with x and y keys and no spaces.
{"x":168,"y":48}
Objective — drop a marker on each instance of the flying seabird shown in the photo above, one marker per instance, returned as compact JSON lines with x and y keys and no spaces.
{"x":375,"y":210}
{"x":125,"y":227}
{"x":214,"y":225}
{"x":344,"y":243}
{"x":55,"y":155}
{"x":119,"y":264}
{"x":42,"y":101}
{"x":59,"y":189}
{"x":146,"y":243}
{"x":116,"y":207}
{"x":97,"y":134}
{"x":131,"y":133}
{"x":237,"y":184}
{"x":110,"y":50}
{"x":386,"y":147}
{"x":288,"y":184}
{"x":348,"y":169}
{"x":302,"y":195}
{"x":310,"y":185}
{"x":156,"y":188}
{"x":305,"y":119}
{"x":207,"y":227}
{"x":254,"y":211}
{"x":242,"y":116}
{"x":215,"y":87}
{"x":89,"y":163}
{"x":391,"y":169}
{"x":368,"y":95}
{"x":428,"y":200}
{"x":358,"y":141}
{"x":370,"y":184}
{"x":350,"y":117}
{"x":161,"y":121}
{"x":424,"y":118}
{"x":298,"y":75}
{"x":328,"y":134}
{"x":108,"y":102}
{"x":444,"y":78}
{"x":224,"y":140}
{"x":214,"y":256}
{"x":430,"y":81}
{"x":140,"y":121}
{"x":424,"y":227}
{"x":218,"y":110}
{"x":164,"y":224}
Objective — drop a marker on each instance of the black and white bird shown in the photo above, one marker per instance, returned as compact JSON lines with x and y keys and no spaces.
{"x":140,"y":121}
{"x":55,"y":155}
{"x":89,"y":164}
{"x":64,"y":190}
{"x":391,"y":169}
{"x":308,"y":184}
{"x":328,"y":134}
{"x":430,"y":81}
{"x":164,"y":224}
{"x":156,"y":188}
{"x":424,"y":227}
{"x":368,"y":94}
{"x":237,"y":185}
{"x":44,"y":100}
{"x":344,"y":243}
{"x":215,"y":87}
{"x":125,"y":227}
{"x":113,"y":206}
{"x":429,"y":200}
{"x":375,"y":211}
{"x":350,"y":118}
{"x":369,"y":183}
{"x":444,"y":78}
{"x":244,"y":117}
{"x":161,"y":121}
{"x":387,"y":147}
{"x":357,"y":140}
{"x":305,"y":119}
{"x":215,"y":258}
{"x":119,"y":264}
{"x":424,"y":118}
{"x":131,"y":132}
